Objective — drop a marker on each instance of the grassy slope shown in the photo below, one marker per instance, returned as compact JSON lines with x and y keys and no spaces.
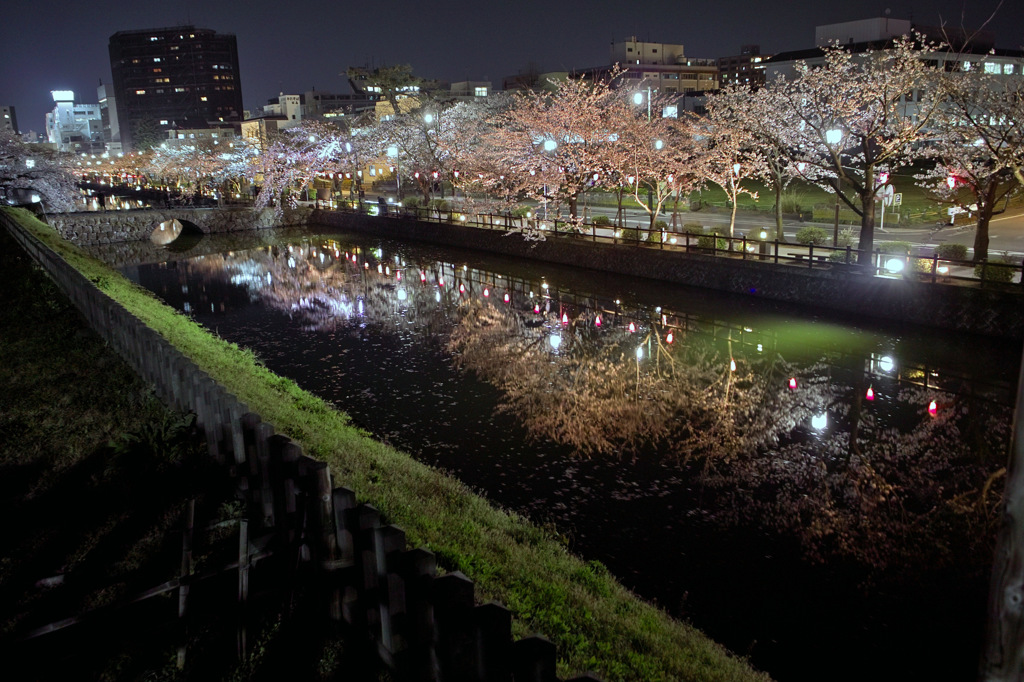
{"x":595,"y":622}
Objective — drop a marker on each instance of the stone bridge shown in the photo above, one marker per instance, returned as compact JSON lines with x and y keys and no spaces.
{"x":109,"y":227}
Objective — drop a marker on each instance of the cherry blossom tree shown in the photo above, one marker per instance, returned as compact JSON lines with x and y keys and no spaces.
{"x":558,"y":139}
{"x":860,"y":114}
{"x":25,"y":170}
{"x":730,"y":154}
{"x":769,"y":123}
{"x":977,"y":143}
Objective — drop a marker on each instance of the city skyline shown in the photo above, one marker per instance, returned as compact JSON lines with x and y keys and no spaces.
{"x":302,"y":49}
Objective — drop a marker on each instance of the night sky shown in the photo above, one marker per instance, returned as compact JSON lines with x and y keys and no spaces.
{"x":297,"y":46}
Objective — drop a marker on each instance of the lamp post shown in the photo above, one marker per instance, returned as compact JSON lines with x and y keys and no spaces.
{"x":833,"y":137}
{"x":549,"y":146}
{"x":638,"y":99}
{"x":393,"y":153}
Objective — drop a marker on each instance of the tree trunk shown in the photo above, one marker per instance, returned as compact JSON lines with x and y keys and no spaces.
{"x":866,"y":245}
{"x":986,"y":207}
{"x":779,"y":235}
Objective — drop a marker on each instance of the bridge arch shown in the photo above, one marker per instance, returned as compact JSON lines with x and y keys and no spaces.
{"x":169,"y":231}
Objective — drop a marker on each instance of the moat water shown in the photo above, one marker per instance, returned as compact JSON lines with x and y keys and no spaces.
{"x":808,"y":491}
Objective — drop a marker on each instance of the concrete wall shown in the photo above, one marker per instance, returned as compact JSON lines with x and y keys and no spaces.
{"x":839,"y":289}
{"x":110,"y":227}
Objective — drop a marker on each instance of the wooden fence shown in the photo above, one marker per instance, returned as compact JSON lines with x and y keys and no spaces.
{"x":425,"y":626}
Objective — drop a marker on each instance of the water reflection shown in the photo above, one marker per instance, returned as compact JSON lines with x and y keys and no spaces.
{"x":864,"y":449}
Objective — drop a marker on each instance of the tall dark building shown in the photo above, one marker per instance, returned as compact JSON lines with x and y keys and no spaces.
{"x":167,"y":77}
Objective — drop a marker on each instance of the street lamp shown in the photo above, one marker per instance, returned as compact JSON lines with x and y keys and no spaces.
{"x":549,"y":146}
{"x":834,"y":136}
{"x":393,"y":153}
{"x":638,"y":99}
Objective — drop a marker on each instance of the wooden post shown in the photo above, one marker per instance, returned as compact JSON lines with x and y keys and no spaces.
{"x":186,"y":571}
{"x":493,"y":642}
{"x":456,"y":640}
{"x":1003,"y":657}
{"x":533,"y":660}
{"x":417,"y":568}
{"x":243,"y":586}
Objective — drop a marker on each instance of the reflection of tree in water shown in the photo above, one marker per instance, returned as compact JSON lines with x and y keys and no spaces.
{"x":869,"y":486}
{"x":921,"y":495}
{"x":923,"y":489}
{"x":596,"y":395}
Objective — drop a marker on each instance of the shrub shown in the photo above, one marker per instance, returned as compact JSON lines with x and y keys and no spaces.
{"x":845,"y":237}
{"x":660,"y":225}
{"x":791,"y":202}
{"x":997,"y":270}
{"x":812,"y":235}
{"x":411,"y":202}
{"x":439,"y":205}
{"x":630,"y":234}
{"x":712,"y":239}
{"x":952,"y":251}
{"x":520,"y":211}
{"x":899,"y":248}
{"x":693,"y":228}
{"x":840,"y":256}
{"x":602,"y":221}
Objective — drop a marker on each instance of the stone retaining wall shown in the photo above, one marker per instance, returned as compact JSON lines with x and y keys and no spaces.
{"x":837,"y":290}
{"x":108,"y":227}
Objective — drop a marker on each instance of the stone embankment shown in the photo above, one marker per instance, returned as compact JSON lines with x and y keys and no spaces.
{"x":109,"y":227}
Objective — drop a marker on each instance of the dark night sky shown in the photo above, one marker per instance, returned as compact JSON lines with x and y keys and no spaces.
{"x":295,"y":46}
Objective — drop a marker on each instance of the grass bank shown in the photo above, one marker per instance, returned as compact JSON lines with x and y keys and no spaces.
{"x":595,"y":623}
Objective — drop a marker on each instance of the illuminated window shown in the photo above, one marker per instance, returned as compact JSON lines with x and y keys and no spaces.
{"x":992,"y":67}
{"x":153,"y":39}
{"x":179,"y":89}
{"x":140,"y":92}
{"x":163,"y":122}
{"x":1007,"y":69}
{"x":480,"y":92}
{"x":203,"y":98}
{"x":156,"y":59}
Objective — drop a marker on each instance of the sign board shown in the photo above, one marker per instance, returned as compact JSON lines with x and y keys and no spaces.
{"x":897,"y":199}
{"x":885,"y":194}
{"x":955,"y":210}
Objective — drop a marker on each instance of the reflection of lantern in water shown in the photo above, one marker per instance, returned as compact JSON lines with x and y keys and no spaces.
{"x":669,"y":338}
{"x":732,"y":365}
{"x":870,"y":395}
{"x":597,"y":321}
{"x":536,"y":309}
{"x":423,"y":276}
{"x":639,"y":352}
{"x":380,"y":268}
{"x":398,"y":275}
{"x":819,"y":421}
{"x":632,"y":328}
{"x":462,"y":288}
{"x":506,"y":298}
{"x":555,"y":341}
{"x":565,"y":318}
{"x":933,"y":408}
{"x":792,"y":383}
{"x":487,"y":292}
{"x":366,"y":266}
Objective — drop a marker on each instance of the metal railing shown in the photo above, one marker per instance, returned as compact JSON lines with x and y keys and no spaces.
{"x":932,"y":269}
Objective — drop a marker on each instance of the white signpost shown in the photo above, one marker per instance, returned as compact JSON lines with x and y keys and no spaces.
{"x":886,"y":196}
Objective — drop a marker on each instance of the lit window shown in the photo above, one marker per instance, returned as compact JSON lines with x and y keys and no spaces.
{"x":163,"y":122}
{"x":156,"y":59}
{"x":153,"y":39}
{"x":1007,"y":69}
{"x":480,"y":92}
{"x":179,"y":89}
{"x":181,"y":136}
{"x":203,"y":98}
{"x":140,"y":92}
{"x":992,"y":67}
